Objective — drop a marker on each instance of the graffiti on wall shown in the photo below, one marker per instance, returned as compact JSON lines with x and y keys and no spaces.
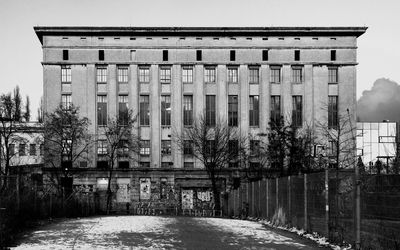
{"x":187,"y":199}
{"x":123,"y":190}
{"x":204,"y":195}
{"x":145,"y":188}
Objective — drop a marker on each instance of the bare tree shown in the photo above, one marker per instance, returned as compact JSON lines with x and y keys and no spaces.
{"x":121,"y":143}
{"x":27,"y":114}
{"x":214,"y":146}
{"x":66,"y":139}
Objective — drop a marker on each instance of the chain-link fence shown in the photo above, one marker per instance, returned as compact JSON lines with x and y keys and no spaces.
{"x":325,"y":203}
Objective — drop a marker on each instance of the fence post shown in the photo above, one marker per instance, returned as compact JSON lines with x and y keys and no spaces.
{"x":327,"y":202}
{"x":252,"y":199}
{"x":305,"y":204}
{"x":358,"y":208}
{"x":277,"y":193}
{"x":259,"y":199}
{"x":267,"y":198}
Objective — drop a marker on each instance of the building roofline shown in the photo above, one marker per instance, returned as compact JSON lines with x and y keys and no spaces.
{"x":196,"y":31}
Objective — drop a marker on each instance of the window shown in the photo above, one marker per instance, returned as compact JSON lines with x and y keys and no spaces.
{"x":210,"y":147}
{"x":144,"y":164}
{"x":232,"y":55}
{"x":123,"y":115}
{"x":165,"y":55}
{"x":123,"y":164}
{"x":210,"y":110}
{"x":254,"y":147}
{"x":165,"y":147}
{"x":123,"y":74}
{"x":102,"y":164}
{"x":166,"y":164}
{"x":65,"y":74}
{"x":101,"y":55}
{"x":144,"y":74}
{"x":101,"y":110}
{"x":233,"y":146}
{"x":165,"y":75}
{"x":166,"y":110}
{"x":187,"y":110}
{"x":198,"y":55}
{"x":187,"y":74}
{"x":32,"y":149}
{"x":297,"y":74}
{"x":123,"y":148}
{"x":21,"y":149}
{"x":297,"y":112}
{"x":101,"y":147}
{"x":41,"y":149}
{"x":275,"y":108}
{"x":233,"y":110}
{"x":144,"y":110}
{"x":253,"y":75}
{"x":188,"y":147}
{"x":265,"y":55}
{"x":254,"y":112}
{"x":12,"y":149}
{"x":66,"y":101}
{"x":275,"y":74}
{"x":133,"y":54}
{"x":333,"y":75}
{"x":232,"y":74}
{"x":332,"y":148}
{"x":332,"y":112}
{"x":101,"y":75}
{"x":333,"y":55}
{"x":209,"y":74}
{"x":65,"y":55}
{"x":297,"y":55}
{"x":145,"y":147}
{"x":188,"y":165}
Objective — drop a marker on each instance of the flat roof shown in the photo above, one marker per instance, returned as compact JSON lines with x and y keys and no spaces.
{"x":196,"y":31}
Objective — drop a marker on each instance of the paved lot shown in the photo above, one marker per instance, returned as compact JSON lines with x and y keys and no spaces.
{"x":151,"y":232}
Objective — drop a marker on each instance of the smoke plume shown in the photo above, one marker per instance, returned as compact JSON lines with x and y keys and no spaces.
{"x":382,"y":102}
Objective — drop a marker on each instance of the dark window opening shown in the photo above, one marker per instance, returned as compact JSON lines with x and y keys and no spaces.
{"x":297,"y":55}
{"x":232,"y":55}
{"x":199,"y":55}
{"x":101,"y":55}
{"x":265,"y":55}
{"x":102,"y":164}
{"x":123,"y":164}
{"x":65,"y":55}
{"x":333,"y":55}
{"x":165,"y":55}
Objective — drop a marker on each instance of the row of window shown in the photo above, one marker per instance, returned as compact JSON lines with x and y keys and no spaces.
{"x":210,"y":75}
{"x":22,"y":149}
{"x":199,"y":55}
{"x":210,"y":110}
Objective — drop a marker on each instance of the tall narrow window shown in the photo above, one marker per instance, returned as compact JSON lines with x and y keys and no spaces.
{"x":188,"y":147}
{"x":198,"y":55}
{"x":233,"y":146}
{"x":165,"y":147}
{"x":187,"y":110}
{"x":32,"y":149}
{"x":254,"y":111}
{"x":333,"y":75}
{"x":123,"y":74}
{"x":65,"y":55}
{"x":144,"y":74}
{"x":275,"y":74}
{"x":297,"y":74}
{"x":297,"y":112}
{"x":187,"y":74}
{"x":210,"y":110}
{"x":21,"y":149}
{"x":165,"y":75}
{"x":166,"y":110}
{"x":265,"y":55}
{"x":144,"y":110}
{"x":101,"y":147}
{"x":144,"y":147}
{"x":12,"y":149}
{"x":101,"y":75}
{"x":123,"y":109}
{"x":101,"y":55}
{"x":65,"y":74}
{"x":233,"y":110}
{"x":133,"y":55}
{"x":333,"y":55}
{"x":66,"y":101}
{"x":253,"y":75}
{"x":232,"y":75}
{"x":232,"y":55}
{"x":275,"y":108}
{"x":209,"y":74}
{"x":165,"y":55}
{"x":297,"y":55}
{"x":101,"y":110}
{"x":254,"y":147}
{"x":332,"y":112}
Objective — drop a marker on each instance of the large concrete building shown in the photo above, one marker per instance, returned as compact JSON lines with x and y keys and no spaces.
{"x":172,"y":75}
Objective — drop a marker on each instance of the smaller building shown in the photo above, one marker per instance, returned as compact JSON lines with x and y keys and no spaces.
{"x":376,"y":140}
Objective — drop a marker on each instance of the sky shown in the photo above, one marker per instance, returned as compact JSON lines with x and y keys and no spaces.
{"x":21,"y":54}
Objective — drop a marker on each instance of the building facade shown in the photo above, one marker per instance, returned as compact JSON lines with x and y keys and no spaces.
{"x":170,"y":76}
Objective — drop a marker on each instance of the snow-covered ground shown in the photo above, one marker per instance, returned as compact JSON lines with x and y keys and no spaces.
{"x":156,"y":232}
